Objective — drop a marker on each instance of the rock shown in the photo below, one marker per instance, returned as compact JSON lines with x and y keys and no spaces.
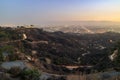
{"x":47,"y":76}
{"x":9,"y":65}
{"x":44,"y":76}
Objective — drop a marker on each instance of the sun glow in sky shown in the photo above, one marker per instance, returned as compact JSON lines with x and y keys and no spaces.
{"x":46,"y":11}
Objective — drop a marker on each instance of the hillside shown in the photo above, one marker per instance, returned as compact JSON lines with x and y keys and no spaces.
{"x":52,"y":51}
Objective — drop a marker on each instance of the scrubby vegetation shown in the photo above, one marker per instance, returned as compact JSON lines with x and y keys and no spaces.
{"x":7,"y":34}
{"x":30,"y":74}
{"x":6,"y":50}
{"x":25,"y":74}
{"x":117,"y":59}
{"x":60,"y":49}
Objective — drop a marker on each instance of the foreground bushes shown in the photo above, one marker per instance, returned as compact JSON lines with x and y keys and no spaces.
{"x":25,"y":74}
{"x":30,"y":74}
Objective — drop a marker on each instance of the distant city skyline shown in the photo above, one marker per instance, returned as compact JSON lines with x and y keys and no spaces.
{"x":53,"y":11}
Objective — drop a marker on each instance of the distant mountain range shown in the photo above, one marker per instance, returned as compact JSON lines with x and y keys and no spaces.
{"x":95,"y":23}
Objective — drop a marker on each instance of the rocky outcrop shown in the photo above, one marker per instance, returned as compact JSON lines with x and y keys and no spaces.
{"x":114,"y":55}
{"x":9,"y":65}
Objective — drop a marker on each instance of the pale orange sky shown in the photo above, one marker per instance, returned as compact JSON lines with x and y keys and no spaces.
{"x":45,"y":11}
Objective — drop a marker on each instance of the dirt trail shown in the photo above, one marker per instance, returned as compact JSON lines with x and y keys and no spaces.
{"x":76,"y":77}
{"x":33,"y":42}
{"x":10,"y":41}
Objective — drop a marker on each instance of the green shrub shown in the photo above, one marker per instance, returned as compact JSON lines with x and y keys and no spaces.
{"x":8,"y":49}
{"x":30,"y":74}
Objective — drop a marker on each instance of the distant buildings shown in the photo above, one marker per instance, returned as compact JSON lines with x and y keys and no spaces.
{"x":26,"y":26}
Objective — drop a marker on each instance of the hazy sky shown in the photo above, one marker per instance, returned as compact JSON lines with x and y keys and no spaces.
{"x":46,"y":11}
